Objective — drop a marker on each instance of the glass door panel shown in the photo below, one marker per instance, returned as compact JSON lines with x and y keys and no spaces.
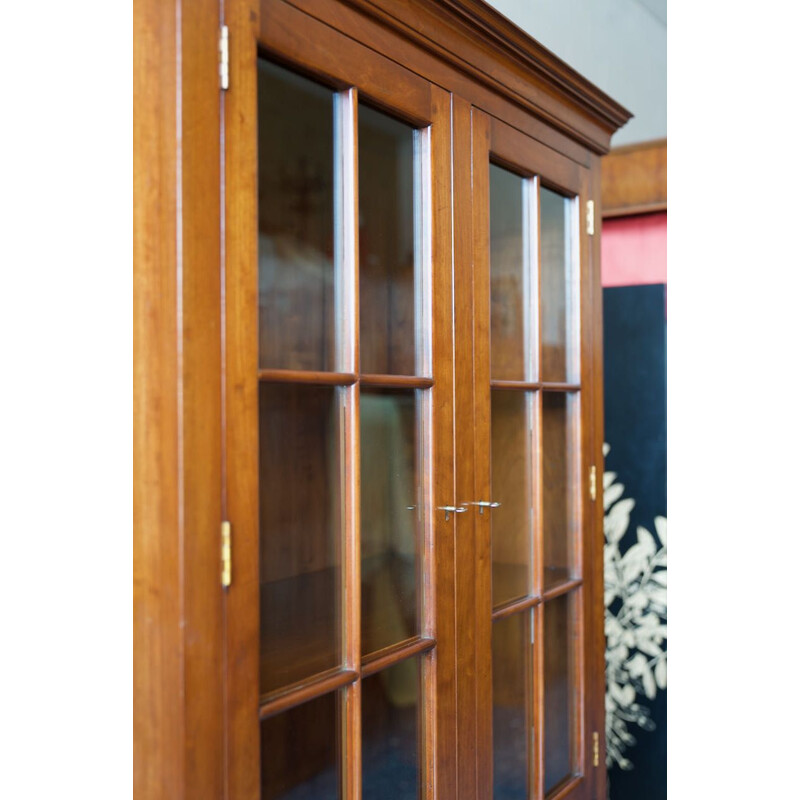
{"x":512,"y":309}
{"x":559,"y":689}
{"x":301,"y":474}
{"x":391,"y":707}
{"x":296,"y":208}
{"x":512,"y":447}
{"x":558,"y":282}
{"x":389,"y":240}
{"x":392,"y":517}
{"x":300,"y":752}
{"x":511,"y":706}
{"x":348,"y":376}
{"x":560,"y":512}
{"x":526,"y":285}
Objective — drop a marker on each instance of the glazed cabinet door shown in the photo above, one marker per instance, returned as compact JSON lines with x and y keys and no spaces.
{"x":533,"y":428}
{"x":338,"y":416}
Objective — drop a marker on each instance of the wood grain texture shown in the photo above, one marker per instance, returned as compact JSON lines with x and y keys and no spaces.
{"x":594,"y":540}
{"x":634,"y":179}
{"x":464,"y":524}
{"x":201,"y":396}
{"x":158,"y":712}
{"x":482,"y":45}
{"x":240,"y":369}
{"x":440,"y":725}
{"x":177,"y":474}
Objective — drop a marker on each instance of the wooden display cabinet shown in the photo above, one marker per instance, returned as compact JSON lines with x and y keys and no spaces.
{"x":367,"y":310}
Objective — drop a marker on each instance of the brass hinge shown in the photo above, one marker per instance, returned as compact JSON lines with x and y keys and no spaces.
{"x":226,"y":553}
{"x":590,"y":217}
{"x":593,"y":482}
{"x":224,"y":76}
{"x":595,"y":749}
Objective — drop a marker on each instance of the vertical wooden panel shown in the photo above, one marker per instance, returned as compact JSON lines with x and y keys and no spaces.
{"x":464,"y":524}
{"x":481,"y":488}
{"x":348,"y":323}
{"x":592,"y":379}
{"x":442,"y":591}
{"x":201,"y":397}
{"x":240,"y":366}
{"x":158,"y":720}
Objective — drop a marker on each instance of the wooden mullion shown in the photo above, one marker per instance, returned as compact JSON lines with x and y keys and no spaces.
{"x":394,"y":654}
{"x":566,"y":787}
{"x":346,"y":229}
{"x":538,"y":701}
{"x":396,"y":381}
{"x":515,"y":607}
{"x":306,"y":377}
{"x":554,"y":386}
{"x":562,"y":588}
{"x":295,"y":695}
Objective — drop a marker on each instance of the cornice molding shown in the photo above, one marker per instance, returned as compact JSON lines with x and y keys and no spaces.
{"x":469,"y":23}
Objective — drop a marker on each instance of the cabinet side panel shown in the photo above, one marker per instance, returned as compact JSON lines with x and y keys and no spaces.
{"x":157,"y":662}
{"x":593,"y":556}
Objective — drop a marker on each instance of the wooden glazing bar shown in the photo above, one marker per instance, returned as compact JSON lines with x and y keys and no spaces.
{"x":531,"y":386}
{"x":396,"y":381}
{"x":537,"y":779}
{"x":294,"y":695}
{"x":390,"y":656}
{"x":562,"y":588}
{"x":306,"y":376}
{"x":514,"y":607}
{"x":553,"y":386}
{"x":347,"y":323}
{"x":565,"y":788}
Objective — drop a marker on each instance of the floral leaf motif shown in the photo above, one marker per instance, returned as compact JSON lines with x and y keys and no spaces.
{"x":635,"y":586}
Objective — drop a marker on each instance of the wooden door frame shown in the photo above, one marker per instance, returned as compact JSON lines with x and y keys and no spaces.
{"x":301,"y":42}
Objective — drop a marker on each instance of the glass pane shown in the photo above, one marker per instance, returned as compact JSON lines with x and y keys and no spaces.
{"x":300,"y":752}
{"x":295,"y":221}
{"x":389,"y":731}
{"x":558,"y":483}
{"x":559,"y":696}
{"x":510,"y":304}
{"x":391,"y":517}
{"x":558,"y":323}
{"x":300,"y":477}
{"x":386,"y":243}
{"x":511,"y":691}
{"x":511,"y":487}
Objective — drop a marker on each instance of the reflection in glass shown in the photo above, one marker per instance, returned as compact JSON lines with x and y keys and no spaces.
{"x":558,"y":323}
{"x":300,"y":752}
{"x":510,"y":293}
{"x":300,"y":564}
{"x":391,"y":517}
{"x":558,"y":483}
{"x":386,"y":169}
{"x":559,"y":699}
{"x":295,"y":221}
{"x":389,"y":731}
{"x":511,"y":691}
{"x":511,"y":487}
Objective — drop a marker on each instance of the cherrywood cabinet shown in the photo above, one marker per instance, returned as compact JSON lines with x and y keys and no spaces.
{"x":367,"y":349}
